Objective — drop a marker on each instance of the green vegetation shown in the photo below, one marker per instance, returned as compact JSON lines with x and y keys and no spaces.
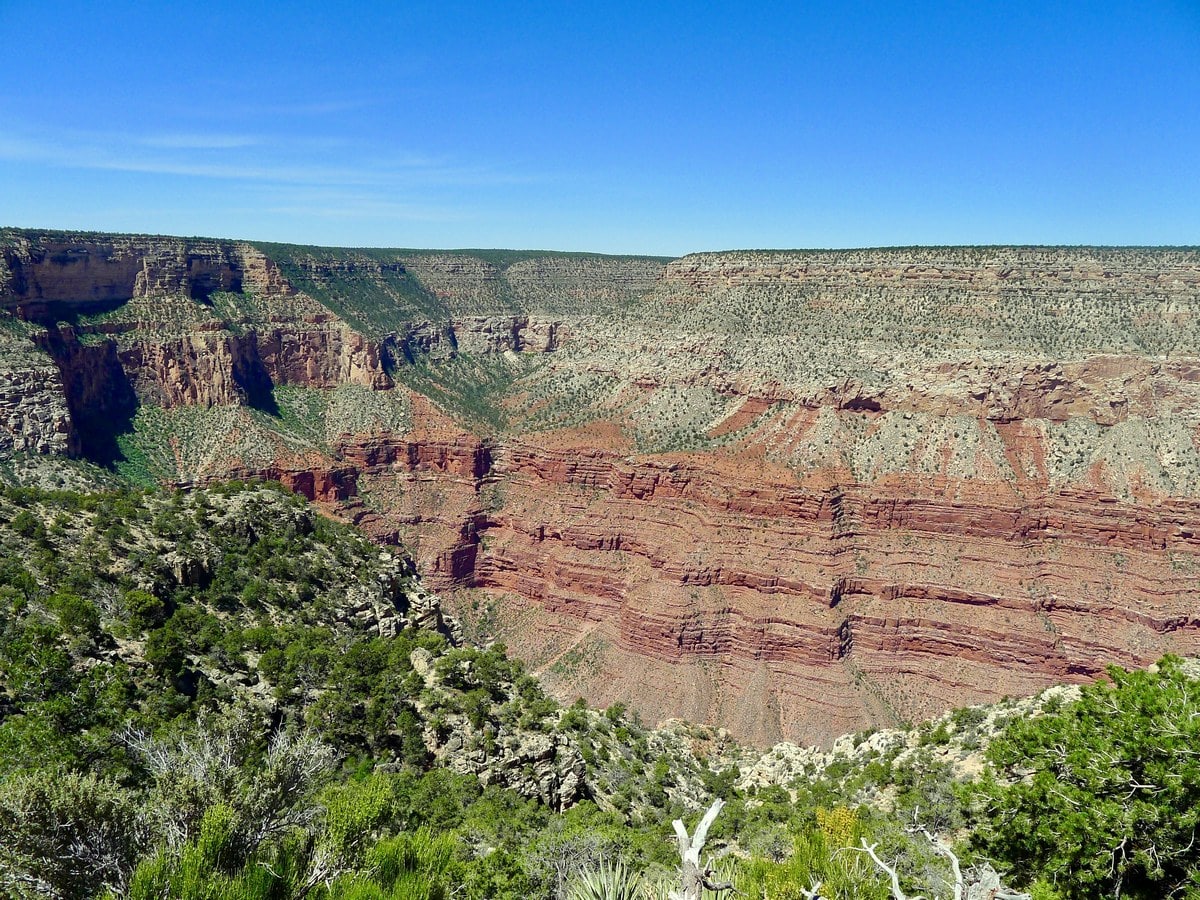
{"x":370,"y":289}
{"x":173,"y":602}
{"x":504,"y":258}
{"x":182,"y":443}
{"x":471,"y":386}
{"x":1102,"y":797}
{"x":199,"y":691}
{"x":222,"y":694}
{"x":381,"y":291}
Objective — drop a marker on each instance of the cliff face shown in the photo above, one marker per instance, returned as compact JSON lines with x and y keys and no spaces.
{"x":216,"y":367}
{"x":212,"y":323}
{"x":792,"y":609}
{"x":792,"y":493}
{"x":34,"y":417}
{"x":86,"y":271}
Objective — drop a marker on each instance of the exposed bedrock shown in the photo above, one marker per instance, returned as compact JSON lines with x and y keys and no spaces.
{"x":97,"y":392}
{"x":34,"y":414}
{"x":727,"y":590}
{"x":93,"y":271}
{"x":784,"y":610}
{"x":326,"y":484}
{"x":1105,"y":389}
{"x":483,"y":334}
{"x":795,"y":494}
{"x":217,"y":367}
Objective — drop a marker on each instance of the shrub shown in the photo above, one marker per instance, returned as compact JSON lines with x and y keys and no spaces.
{"x":1103,"y":796}
{"x":145,"y":611}
{"x":69,"y":835}
{"x":610,"y":882}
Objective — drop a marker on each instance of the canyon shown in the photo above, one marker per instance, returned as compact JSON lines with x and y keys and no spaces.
{"x":795,"y":494}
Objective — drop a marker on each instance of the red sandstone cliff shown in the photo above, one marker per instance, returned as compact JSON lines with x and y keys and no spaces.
{"x":795,"y":494}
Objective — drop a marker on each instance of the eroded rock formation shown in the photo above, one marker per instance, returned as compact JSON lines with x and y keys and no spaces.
{"x":792,"y":493}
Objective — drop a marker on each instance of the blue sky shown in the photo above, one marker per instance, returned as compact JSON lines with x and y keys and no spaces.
{"x":615,"y":127}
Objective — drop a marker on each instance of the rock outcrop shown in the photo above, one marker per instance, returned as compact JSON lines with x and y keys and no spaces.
{"x":795,"y":494}
{"x":34,"y":416}
{"x":88,"y":271}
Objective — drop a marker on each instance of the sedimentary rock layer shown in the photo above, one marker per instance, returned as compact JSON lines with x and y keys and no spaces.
{"x":791,"y":493}
{"x":726,"y":589}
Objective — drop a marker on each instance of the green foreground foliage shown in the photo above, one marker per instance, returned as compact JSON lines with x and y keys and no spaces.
{"x":190,"y":707}
{"x":1102,"y":797}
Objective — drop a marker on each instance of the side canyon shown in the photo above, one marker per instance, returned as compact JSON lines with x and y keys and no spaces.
{"x":794,"y":494}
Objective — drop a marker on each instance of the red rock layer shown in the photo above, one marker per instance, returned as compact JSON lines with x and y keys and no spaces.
{"x":800,"y":600}
{"x":722,"y":589}
{"x":725,"y":588}
{"x":426,"y":489}
{"x":329,"y":485}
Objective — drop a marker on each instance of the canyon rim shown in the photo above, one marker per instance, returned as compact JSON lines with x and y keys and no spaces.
{"x":795,"y":494}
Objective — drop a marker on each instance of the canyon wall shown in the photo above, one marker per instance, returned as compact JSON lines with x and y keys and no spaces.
{"x":795,"y":494}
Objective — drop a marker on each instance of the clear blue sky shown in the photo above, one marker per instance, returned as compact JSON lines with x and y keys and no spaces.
{"x":619,"y":127}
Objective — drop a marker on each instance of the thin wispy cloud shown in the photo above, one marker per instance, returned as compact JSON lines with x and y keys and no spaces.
{"x":369,"y":208}
{"x":200,"y":141}
{"x":88,"y":156}
{"x":250,"y":158}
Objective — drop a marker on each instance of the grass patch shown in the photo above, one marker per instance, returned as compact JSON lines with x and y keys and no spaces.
{"x":370,"y":289}
{"x":472,"y":387}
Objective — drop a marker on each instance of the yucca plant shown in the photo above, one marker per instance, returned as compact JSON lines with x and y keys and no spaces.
{"x":609,"y":882}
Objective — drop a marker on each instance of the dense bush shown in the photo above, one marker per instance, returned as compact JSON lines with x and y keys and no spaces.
{"x":1102,"y":797}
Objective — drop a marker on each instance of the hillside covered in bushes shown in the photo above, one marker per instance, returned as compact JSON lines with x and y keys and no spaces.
{"x":222,"y":693}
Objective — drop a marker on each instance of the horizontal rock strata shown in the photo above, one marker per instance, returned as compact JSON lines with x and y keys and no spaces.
{"x":795,"y":494}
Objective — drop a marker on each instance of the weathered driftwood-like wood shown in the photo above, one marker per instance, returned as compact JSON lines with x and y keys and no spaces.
{"x":983,"y":884}
{"x":694,"y":879}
